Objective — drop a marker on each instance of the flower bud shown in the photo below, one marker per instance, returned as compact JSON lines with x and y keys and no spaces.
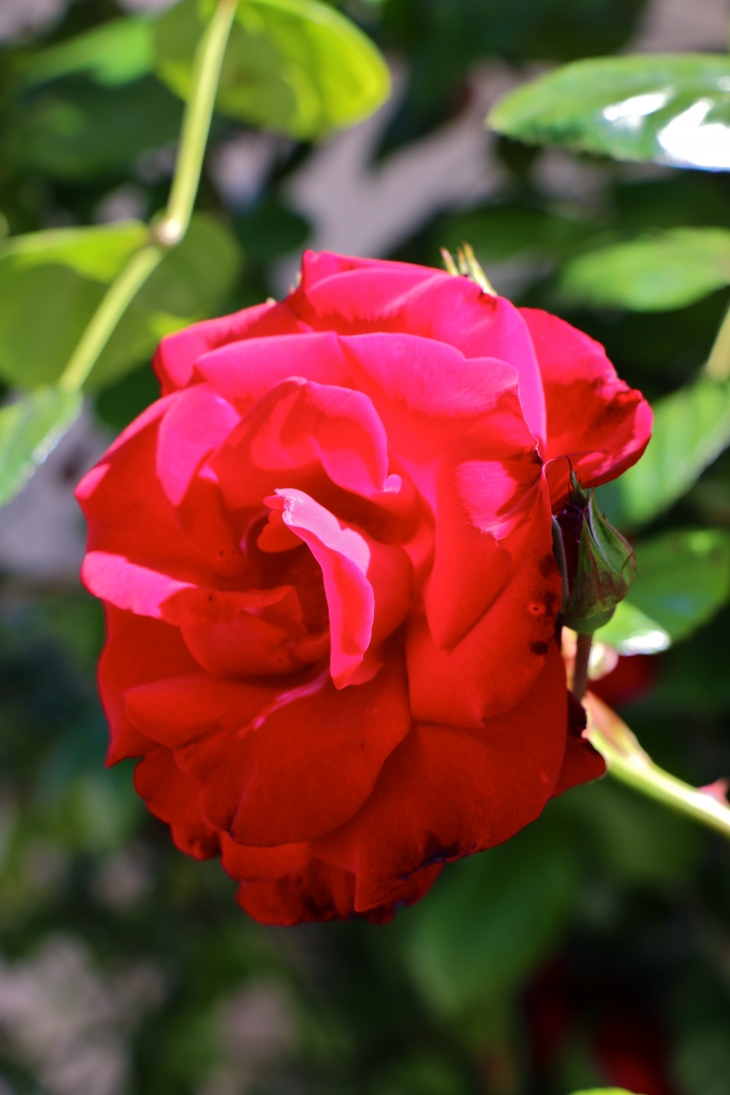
{"x":596,"y":563}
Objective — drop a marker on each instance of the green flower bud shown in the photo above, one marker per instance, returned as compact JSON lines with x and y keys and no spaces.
{"x":596,"y":563}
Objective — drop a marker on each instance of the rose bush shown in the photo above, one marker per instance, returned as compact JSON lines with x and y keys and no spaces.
{"x":325,"y":555}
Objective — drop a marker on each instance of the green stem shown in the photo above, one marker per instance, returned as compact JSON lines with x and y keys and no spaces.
{"x":627,"y":761}
{"x":173,"y":226}
{"x":196,"y":124}
{"x":718,"y":363}
{"x":117,"y":299}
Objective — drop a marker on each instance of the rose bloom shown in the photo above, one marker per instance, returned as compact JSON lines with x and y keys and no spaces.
{"x":325,"y":556}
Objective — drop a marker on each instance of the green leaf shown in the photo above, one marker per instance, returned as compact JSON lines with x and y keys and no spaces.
{"x":691,"y":428}
{"x":74,"y":129}
{"x":190,"y":284}
{"x":489,"y":919}
{"x":112,"y":54}
{"x":683,"y":578}
{"x":604,"y":1091}
{"x":52,"y":282}
{"x":295,"y":66}
{"x":30,"y":429}
{"x":631,"y":631}
{"x":668,"y":108}
{"x":668,"y":271}
{"x":50,"y":285}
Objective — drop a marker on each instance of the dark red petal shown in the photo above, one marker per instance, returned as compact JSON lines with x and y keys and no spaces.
{"x":176,"y":356}
{"x":250,"y":864}
{"x":137,"y":650}
{"x":172,"y":796}
{"x":592,"y":416}
{"x":447,"y":792}
{"x":277,"y":767}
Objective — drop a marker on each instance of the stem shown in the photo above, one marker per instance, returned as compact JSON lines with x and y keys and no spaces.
{"x":718,"y":363}
{"x":117,"y":299}
{"x":174,"y":225}
{"x":580,"y":667}
{"x":196,"y":124}
{"x":627,"y":761}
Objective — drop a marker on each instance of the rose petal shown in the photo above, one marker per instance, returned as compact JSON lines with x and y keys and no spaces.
{"x":177,"y":353}
{"x":172,"y":796}
{"x":448,"y":792}
{"x":197,"y":422}
{"x":592,"y":416}
{"x":246,"y":863}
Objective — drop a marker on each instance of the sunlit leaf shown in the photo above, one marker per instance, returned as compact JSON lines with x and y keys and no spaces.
{"x":114,"y":53}
{"x":30,"y":429}
{"x":52,"y":282}
{"x":489,"y":921}
{"x":189,"y":284}
{"x":691,"y":428}
{"x":667,"y":271}
{"x":296,"y":66}
{"x":669,"y":108}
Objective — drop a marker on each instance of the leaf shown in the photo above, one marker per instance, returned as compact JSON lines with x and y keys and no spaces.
{"x":668,"y":108}
{"x":490,"y":918}
{"x":50,"y":284}
{"x":190,"y":283}
{"x":604,"y":1091}
{"x":631,"y":631}
{"x":691,"y":428}
{"x":295,"y":66}
{"x":74,"y":130}
{"x":683,"y":578}
{"x":668,"y":271}
{"x":112,"y":54}
{"x":30,"y":429}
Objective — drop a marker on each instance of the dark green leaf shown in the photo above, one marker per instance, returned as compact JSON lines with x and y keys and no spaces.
{"x":490,"y":920}
{"x":75,"y":130}
{"x":30,"y":429}
{"x":683,"y":578}
{"x":691,"y":428}
{"x":296,"y":66}
{"x":668,"y":271}
{"x":669,"y":108}
{"x":114,"y":53}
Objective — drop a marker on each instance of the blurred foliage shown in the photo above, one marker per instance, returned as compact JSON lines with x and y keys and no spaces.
{"x":592,"y":950}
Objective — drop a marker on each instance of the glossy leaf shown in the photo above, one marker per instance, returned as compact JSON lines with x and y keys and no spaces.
{"x":295,"y":66}
{"x":668,"y":108}
{"x":683,"y":578}
{"x":30,"y":429}
{"x":113,"y":53}
{"x":691,"y":428}
{"x":52,"y":282}
{"x":667,"y":271}
{"x":489,"y":921}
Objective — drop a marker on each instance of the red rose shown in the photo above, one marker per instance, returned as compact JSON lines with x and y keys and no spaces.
{"x":325,"y":555}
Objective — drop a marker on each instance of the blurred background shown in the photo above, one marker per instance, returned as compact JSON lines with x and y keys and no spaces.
{"x":594,"y":948}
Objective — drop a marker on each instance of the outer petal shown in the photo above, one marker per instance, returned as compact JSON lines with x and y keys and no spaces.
{"x":198,"y":421}
{"x":324,"y":892}
{"x":592,"y":416}
{"x":447,"y":792}
{"x":172,"y":796}
{"x":176,"y":356}
{"x":251,"y":864}
{"x":137,"y":650}
{"x":497,"y":661}
{"x":430,"y":304}
{"x":277,"y":767}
